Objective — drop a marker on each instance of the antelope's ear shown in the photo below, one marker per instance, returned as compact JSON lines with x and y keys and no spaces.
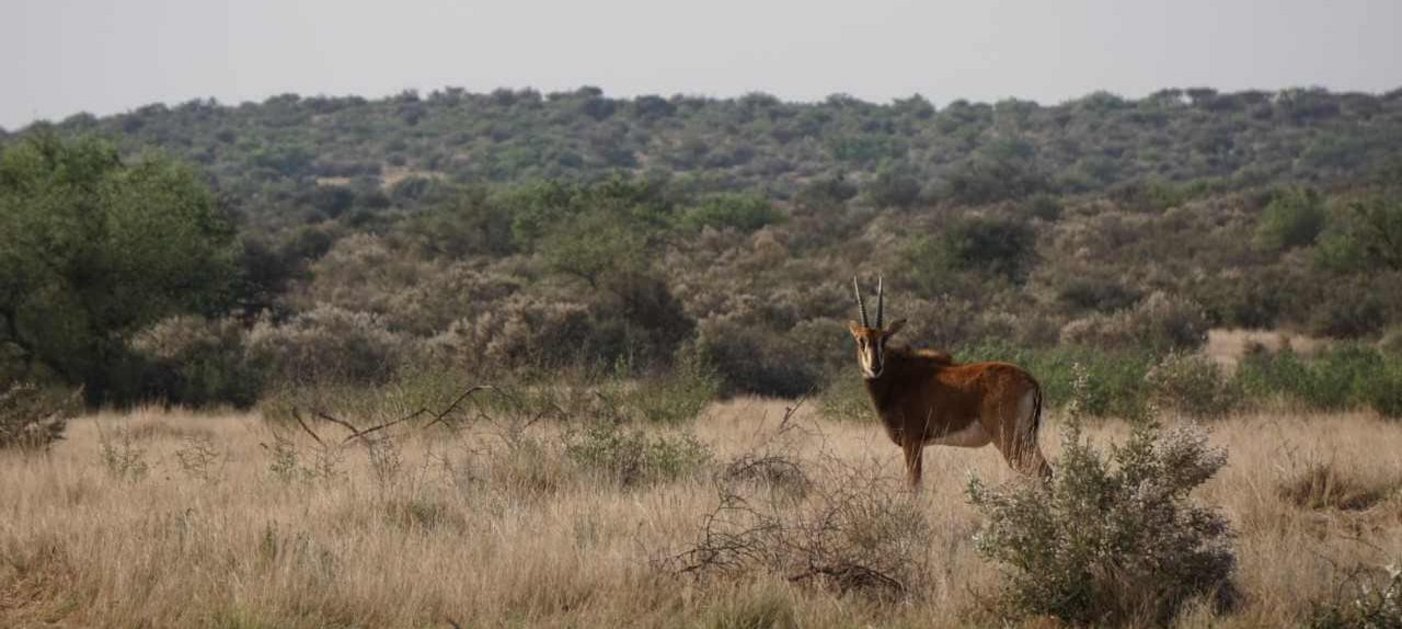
{"x":855,"y":328}
{"x":895,"y":327}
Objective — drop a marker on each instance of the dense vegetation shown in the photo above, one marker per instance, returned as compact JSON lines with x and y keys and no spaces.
{"x":516,"y":235}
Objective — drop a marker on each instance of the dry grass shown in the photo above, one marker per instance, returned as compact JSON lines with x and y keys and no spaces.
{"x":1227,"y":347}
{"x":233,"y":525}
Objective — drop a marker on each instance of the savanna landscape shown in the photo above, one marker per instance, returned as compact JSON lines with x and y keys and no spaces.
{"x":519,"y":359}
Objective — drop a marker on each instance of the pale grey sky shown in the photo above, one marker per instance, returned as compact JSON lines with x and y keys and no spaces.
{"x":59,"y":57}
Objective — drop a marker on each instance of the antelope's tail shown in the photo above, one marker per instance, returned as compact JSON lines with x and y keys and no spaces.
{"x":1036,"y":411}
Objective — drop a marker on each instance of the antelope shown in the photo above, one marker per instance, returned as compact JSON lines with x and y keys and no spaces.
{"x":924,"y":398}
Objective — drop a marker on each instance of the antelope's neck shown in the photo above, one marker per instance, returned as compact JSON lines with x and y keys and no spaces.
{"x":881,"y":387}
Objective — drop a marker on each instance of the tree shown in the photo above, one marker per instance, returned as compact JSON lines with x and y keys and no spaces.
{"x":895,"y":185}
{"x":991,"y":246}
{"x":1366,"y":237}
{"x":1293,"y":218}
{"x":742,"y":212}
{"x":93,"y":249}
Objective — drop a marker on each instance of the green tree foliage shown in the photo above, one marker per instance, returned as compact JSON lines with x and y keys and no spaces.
{"x":993,"y":246}
{"x":1293,"y":218}
{"x":468,"y":223}
{"x":93,"y":248}
{"x":895,"y":185}
{"x":1366,"y":237}
{"x":985,"y":179}
{"x":743,"y":212}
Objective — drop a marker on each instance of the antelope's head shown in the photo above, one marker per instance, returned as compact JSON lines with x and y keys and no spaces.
{"x":871,"y":341}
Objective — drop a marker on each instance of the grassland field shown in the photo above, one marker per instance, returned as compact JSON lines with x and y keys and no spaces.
{"x":171,"y":518}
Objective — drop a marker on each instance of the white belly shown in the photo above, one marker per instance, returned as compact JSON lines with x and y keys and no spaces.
{"x":970,"y":436}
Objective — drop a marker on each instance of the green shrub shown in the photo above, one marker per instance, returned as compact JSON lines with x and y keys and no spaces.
{"x":1344,"y":377}
{"x":94,"y":247}
{"x":198,"y":362}
{"x":1382,"y":390}
{"x":1113,"y":540}
{"x":1364,"y":236}
{"x":845,"y":398}
{"x":677,"y":395}
{"x":1348,"y":316}
{"x":1114,"y":383}
{"x":1263,"y":373}
{"x":752,"y":359}
{"x":1193,"y":384}
{"x":1293,"y":218}
{"x":1043,"y":206}
{"x":995,"y":246}
{"x":744,"y":213}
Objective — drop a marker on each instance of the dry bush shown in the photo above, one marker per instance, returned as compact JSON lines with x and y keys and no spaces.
{"x":329,"y":343}
{"x":523,"y":331}
{"x":1113,"y":539}
{"x":1391,"y":342}
{"x":631,"y":457}
{"x":1161,"y":322}
{"x":775,"y":472}
{"x":123,"y":457}
{"x":843,"y":527}
{"x":32,"y":418}
{"x":1329,"y":485}
{"x":1370,"y":599}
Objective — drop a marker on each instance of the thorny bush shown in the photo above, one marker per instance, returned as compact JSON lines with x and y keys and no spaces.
{"x":1113,"y":538}
{"x":852,"y":530}
{"x":32,"y":418}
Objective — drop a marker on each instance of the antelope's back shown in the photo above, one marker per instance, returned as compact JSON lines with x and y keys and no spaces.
{"x":987,"y":377}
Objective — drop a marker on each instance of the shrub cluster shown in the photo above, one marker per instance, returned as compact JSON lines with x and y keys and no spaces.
{"x":1374,"y":602}
{"x":630,"y":456}
{"x":1160,"y":323}
{"x":1193,"y":384}
{"x":1343,"y":377}
{"x":32,"y":418}
{"x":853,"y":531}
{"x":1113,"y":540}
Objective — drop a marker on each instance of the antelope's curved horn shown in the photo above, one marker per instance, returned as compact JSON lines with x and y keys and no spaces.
{"x":860,"y":304}
{"x":880,"y":300}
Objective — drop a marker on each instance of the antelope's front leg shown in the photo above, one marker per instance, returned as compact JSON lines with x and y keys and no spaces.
{"x":914,"y":461}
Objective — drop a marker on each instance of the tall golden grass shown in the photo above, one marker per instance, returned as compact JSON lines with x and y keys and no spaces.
{"x":158,"y":518}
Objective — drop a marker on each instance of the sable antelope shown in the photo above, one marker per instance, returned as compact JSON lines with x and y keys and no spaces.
{"x":923,"y":397}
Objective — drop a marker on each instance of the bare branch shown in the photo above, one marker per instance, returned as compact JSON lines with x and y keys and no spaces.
{"x":362,"y":434}
{"x":452,"y":407}
{"x":297,"y":415}
{"x":341,"y":422}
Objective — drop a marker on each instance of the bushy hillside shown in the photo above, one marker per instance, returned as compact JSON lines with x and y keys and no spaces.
{"x":516,"y":234}
{"x":906,"y":151}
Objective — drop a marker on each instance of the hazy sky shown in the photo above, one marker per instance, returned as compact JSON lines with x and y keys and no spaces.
{"x":59,"y":57}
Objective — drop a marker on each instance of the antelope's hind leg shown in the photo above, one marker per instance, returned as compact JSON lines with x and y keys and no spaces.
{"x":1016,"y":437}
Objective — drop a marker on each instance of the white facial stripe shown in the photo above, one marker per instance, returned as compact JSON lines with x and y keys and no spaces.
{"x":871,"y":359}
